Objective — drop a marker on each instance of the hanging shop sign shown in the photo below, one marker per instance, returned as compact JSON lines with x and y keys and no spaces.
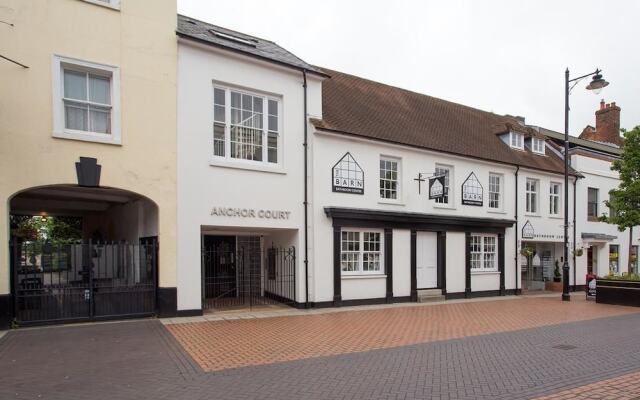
{"x":472,"y":192}
{"x":436,"y":187}
{"x":249,"y":213}
{"x":527,"y":230}
{"x":348,"y":176}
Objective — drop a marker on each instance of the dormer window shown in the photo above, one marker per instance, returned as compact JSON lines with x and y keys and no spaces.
{"x":516,"y":140}
{"x":537,"y":145}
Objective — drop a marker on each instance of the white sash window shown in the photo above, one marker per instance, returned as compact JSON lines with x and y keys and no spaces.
{"x":246,"y":126}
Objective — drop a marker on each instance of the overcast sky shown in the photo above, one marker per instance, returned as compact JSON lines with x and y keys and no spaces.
{"x":500,"y":56}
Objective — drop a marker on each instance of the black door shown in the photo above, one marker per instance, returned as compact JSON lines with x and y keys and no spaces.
{"x":221,"y":268}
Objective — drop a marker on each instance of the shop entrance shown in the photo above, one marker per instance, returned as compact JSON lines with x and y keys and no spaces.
{"x":239,"y":272}
{"x":426,"y":260}
{"x":539,"y":267}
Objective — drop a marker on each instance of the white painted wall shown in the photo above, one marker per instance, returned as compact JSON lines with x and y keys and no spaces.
{"x":597,"y":174}
{"x":202,"y":186}
{"x":548,"y":228}
{"x":329,"y":148}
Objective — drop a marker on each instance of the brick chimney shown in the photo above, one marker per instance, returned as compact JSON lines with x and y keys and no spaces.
{"x":607,"y":125}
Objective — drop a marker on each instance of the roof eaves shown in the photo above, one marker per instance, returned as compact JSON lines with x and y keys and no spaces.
{"x":320,"y":125}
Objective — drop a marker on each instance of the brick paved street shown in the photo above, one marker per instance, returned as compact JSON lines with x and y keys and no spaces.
{"x":507,"y":349}
{"x":265,"y":341}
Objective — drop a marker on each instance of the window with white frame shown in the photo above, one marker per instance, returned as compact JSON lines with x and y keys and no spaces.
{"x":495,"y":191}
{"x":554,"y":198}
{"x":537,"y":145}
{"x":516,"y":140}
{"x":483,"y":250}
{"x":447,"y":172}
{"x":86,"y":100}
{"x":389,"y":178}
{"x":532,"y":196}
{"x":246,"y":126}
{"x":361,"y":252}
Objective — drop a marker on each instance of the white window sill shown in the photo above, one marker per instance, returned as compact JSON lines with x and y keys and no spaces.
{"x":532,"y":215}
{"x":556,"y":216}
{"x":485,"y":272}
{"x":363,"y":276}
{"x":226,"y":163}
{"x":444,"y":206}
{"x":391,"y":202}
{"x":105,"y":138}
{"x":494,"y":211}
{"x":114,"y":5}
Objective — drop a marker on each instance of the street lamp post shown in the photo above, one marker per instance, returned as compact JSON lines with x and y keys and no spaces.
{"x":596,"y":85}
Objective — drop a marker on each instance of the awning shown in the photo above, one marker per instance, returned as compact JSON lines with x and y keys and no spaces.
{"x":597,"y":237}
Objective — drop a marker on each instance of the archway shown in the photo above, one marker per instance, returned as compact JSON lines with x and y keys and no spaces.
{"x":82,"y":253}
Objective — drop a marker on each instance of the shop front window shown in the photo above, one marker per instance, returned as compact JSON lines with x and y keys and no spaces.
{"x":361,"y":252}
{"x":613,"y":258}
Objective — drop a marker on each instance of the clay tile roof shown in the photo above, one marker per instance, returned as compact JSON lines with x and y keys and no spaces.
{"x":357,"y":106}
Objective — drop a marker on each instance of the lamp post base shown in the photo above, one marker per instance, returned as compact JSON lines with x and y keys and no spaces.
{"x":565,"y":282}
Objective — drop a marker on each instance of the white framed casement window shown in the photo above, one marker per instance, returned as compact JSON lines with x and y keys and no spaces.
{"x":537,"y":145}
{"x":115,"y":4}
{"x":247,"y":127}
{"x":389,"y":178}
{"x":361,"y":252}
{"x":555,"y":190}
{"x":495,"y":191}
{"x":516,"y":140}
{"x":483,"y":253}
{"x":86,"y":101}
{"x":447,"y":171}
{"x":532,"y":186}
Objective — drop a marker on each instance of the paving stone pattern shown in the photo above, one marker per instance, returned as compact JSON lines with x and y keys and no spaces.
{"x":141,"y":360}
{"x":218,"y":345}
{"x":625,"y":387}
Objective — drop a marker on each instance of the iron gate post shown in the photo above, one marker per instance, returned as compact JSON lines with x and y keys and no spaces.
{"x":90,"y":289}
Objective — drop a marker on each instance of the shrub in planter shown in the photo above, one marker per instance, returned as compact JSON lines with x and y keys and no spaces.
{"x":557,"y":275}
{"x":618,"y":289}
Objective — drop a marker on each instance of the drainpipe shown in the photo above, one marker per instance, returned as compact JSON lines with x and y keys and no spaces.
{"x":516,"y":231}
{"x":575,"y":268}
{"x":306,"y":204}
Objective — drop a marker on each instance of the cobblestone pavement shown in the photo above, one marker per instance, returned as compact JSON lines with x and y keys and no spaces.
{"x":270,"y":340}
{"x":142,"y":360}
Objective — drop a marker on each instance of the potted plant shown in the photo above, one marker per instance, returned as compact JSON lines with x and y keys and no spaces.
{"x":527,"y":251}
{"x":557,"y":275}
{"x":578,"y":252}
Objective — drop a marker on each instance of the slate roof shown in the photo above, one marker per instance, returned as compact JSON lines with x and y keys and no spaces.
{"x":361,"y":107}
{"x":589,"y":144}
{"x":239,"y":42}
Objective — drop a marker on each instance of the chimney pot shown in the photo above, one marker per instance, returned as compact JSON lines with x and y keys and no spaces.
{"x":602,"y":104}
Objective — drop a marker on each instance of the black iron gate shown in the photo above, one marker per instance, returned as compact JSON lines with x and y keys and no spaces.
{"x":248,"y":277}
{"x":64,"y":282}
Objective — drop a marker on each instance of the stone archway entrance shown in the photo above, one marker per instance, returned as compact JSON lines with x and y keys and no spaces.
{"x":82,"y":253}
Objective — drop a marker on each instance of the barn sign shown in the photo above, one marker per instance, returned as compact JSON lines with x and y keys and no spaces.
{"x":348,"y":176}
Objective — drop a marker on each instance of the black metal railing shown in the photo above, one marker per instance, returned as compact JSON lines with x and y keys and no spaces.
{"x":248,"y":278}
{"x":60,"y":282}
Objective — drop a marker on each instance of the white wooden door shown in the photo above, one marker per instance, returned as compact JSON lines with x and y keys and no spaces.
{"x":426,"y":260}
